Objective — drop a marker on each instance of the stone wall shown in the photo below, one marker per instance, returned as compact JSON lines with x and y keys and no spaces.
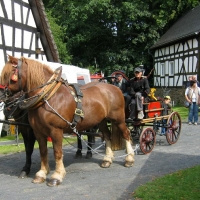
{"x":177,"y":94}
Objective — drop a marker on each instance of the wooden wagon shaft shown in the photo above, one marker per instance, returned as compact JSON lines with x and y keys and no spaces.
{"x":154,"y":119}
{"x":156,"y":109}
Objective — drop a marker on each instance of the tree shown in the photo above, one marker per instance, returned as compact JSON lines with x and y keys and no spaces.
{"x":59,"y":37}
{"x":115,"y":34}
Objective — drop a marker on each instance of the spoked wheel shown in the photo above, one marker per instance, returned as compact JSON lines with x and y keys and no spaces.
{"x":147,"y":140}
{"x":174,"y":128}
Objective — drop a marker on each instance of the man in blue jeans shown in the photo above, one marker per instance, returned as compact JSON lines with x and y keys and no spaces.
{"x":192,"y":95}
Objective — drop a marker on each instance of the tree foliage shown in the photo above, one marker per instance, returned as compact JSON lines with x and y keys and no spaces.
{"x":59,"y":37}
{"x":115,"y":34}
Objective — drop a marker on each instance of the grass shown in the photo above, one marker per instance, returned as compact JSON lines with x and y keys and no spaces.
{"x":181,"y":185}
{"x":7,"y":149}
{"x":183,"y":112}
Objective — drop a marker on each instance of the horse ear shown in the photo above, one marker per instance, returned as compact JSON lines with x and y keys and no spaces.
{"x":22,"y":58}
{"x":13,"y":60}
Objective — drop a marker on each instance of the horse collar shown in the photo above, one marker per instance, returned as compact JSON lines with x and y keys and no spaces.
{"x":47,"y":91}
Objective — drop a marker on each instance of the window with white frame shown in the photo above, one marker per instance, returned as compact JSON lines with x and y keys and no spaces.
{"x":171,"y":68}
{"x":162,"y":69}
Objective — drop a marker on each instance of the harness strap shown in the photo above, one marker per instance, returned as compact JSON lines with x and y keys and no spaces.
{"x":78,"y":96}
{"x":19,"y":64}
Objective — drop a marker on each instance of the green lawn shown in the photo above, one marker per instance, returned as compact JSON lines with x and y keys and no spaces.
{"x":6,"y":149}
{"x":183,"y":112}
{"x":181,"y":185}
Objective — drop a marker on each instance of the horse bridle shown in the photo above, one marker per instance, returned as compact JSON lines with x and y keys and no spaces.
{"x":6,"y":91}
{"x":18,"y":70}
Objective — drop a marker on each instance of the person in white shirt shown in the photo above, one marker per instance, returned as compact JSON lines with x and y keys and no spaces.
{"x":192,"y":95}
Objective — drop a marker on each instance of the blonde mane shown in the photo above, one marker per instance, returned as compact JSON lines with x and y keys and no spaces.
{"x":6,"y":71}
{"x":35,"y":73}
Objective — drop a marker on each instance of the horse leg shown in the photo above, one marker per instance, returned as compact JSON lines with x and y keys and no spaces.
{"x":60,"y":172}
{"x":107,"y":160}
{"x":79,"y":150}
{"x":89,"y":147}
{"x":29,"y":141}
{"x":129,"y":160}
{"x":40,"y":176}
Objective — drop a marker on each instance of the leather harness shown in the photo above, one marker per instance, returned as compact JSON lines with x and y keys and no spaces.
{"x":48,"y":90}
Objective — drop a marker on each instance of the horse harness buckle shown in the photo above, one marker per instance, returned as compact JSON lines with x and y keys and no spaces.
{"x":79,"y":112}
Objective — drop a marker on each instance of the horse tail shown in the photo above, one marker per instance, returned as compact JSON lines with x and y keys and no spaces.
{"x":117,"y":138}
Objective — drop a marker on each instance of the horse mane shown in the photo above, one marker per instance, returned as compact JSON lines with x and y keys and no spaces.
{"x":35,"y":73}
{"x":5,"y":74}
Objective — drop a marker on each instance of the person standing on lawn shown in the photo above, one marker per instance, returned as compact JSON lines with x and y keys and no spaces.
{"x":192,"y":95}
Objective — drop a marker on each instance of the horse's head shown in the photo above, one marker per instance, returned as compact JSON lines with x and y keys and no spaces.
{"x":11,"y":75}
{"x":23,"y":74}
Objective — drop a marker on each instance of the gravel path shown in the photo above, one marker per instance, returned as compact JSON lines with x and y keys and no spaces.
{"x":85,"y":179}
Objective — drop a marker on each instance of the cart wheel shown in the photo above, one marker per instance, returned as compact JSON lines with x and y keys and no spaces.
{"x":147,"y":140}
{"x":174,"y":128}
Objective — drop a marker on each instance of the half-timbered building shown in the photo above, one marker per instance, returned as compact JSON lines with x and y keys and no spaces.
{"x":177,"y":55}
{"x":25,"y":31}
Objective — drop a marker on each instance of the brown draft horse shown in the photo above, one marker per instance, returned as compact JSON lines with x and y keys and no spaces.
{"x":11,"y":108}
{"x":101,"y":102}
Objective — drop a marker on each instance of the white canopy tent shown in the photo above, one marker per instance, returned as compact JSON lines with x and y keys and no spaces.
{"x":70,"y":72}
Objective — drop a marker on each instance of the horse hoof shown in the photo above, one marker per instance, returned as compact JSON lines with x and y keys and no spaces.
{"x":23,"y":174}
{"x":38,"y":179}
{"x":53,"y":182}
{"x":129,"y":164}
{"x":88,"y":155}
{"x":78,"y":155}
{"x":105,"y":164}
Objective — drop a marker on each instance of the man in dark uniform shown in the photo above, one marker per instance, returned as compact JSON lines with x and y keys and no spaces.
{"x":139,"y":89}
{"x":123,"y":84}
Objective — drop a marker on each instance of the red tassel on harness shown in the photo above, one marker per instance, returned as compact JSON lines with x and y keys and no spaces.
{"x":14,"y":77}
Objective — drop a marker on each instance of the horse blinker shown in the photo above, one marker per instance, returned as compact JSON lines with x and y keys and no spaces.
{"x":14,"y":77}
